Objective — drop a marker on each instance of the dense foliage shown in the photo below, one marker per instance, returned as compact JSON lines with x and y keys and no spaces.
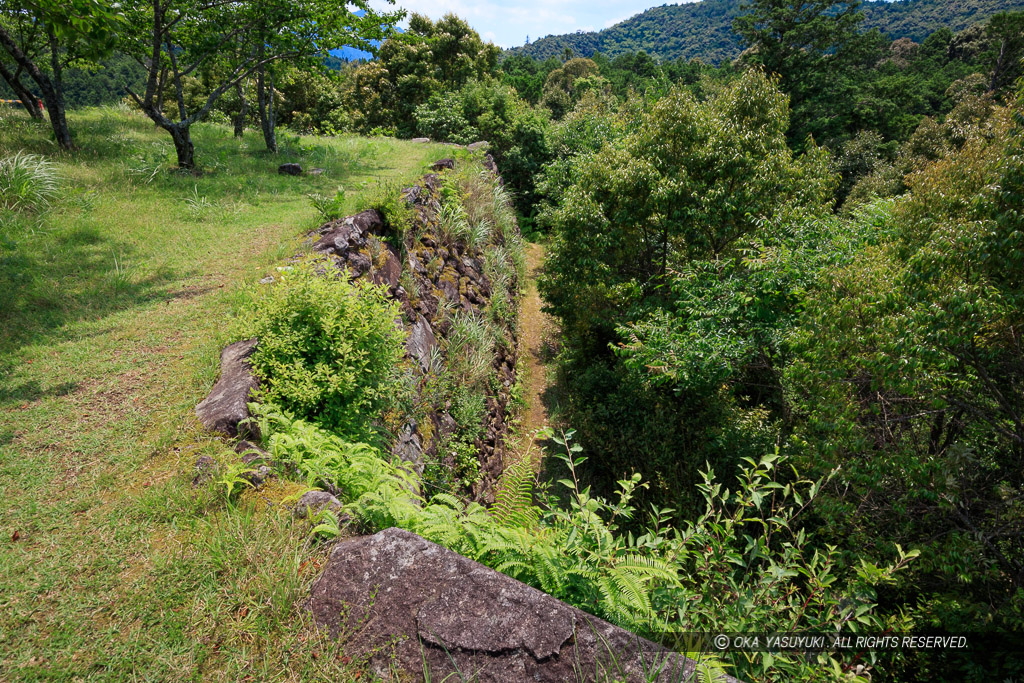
{"x":813,"y":252}
{"x":707,"y":576}
{"x":703,"y":30}
{"x":714,"y":307}
{"x":326,"y":349}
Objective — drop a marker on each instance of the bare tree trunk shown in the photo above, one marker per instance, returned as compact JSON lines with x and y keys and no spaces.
{"x":243,"y":110}
{"x":182,"y":137}
{"x":161,"y":84}
{"x":265,"y":105}
{"x":30,"y":101}
{"x":58,"y":117}
{"x":53,"y":98}
{"x":1000,"y":67}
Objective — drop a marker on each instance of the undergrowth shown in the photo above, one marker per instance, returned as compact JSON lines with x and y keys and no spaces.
{"x":742,"y":566}
{"x":328,"y":348}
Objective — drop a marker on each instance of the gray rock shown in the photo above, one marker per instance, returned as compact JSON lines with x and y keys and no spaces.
{"x":443,"y":165}
{"x":251,"y":452}
{"x":415,"y":264}
{"x":317,"y":171}
{"x":474,"y":146}
{"x":348,"y":233}
{"x":267,"y":280}
{"x":411,"y":194}
{"x":204,"y":470}
{"x":358,"y":263}
{"x":492,"y":167}
{"x":259,"y":475}
{"x":225,"y":406}
{"x":390,"y":272}
{"x":408,"y":604}
{"x":420,"y":140}
{"x":420,"y":341}
{"x":289,"y":169}
{"x":451,"y":292}
{"x":409,"y":447}
{"x":313,"y":502}
{"x":258,"y":460}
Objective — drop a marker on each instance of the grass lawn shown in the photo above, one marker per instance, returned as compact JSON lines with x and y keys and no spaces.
{"x":114,"y":304}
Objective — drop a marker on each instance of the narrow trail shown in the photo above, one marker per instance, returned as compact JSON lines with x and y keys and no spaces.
{"x":535,"y":329}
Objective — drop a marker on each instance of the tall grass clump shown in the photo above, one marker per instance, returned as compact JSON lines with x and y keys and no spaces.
{"x":28,"y":182}
{"x":452,"y":224}
{"x":328,"y":348}
{"x":470,"y":349}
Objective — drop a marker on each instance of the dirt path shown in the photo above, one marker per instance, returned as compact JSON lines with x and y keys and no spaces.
{"x":535,"y":329}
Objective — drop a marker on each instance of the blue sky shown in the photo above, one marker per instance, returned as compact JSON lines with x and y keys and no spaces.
{"x":508,"y":23}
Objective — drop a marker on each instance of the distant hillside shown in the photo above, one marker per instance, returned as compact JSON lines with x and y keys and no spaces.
{"x":704,"y":29}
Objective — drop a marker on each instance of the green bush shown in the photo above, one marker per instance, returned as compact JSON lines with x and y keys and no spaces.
{"x":328,"y":348}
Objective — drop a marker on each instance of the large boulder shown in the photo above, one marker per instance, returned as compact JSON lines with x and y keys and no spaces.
{"x":226,"y":404}
{"x":412,"y":606}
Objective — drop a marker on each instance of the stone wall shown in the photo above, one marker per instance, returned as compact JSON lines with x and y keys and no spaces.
{"x":443,"y":275}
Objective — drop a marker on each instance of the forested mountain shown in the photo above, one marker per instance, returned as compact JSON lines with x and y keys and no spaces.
{"x":703,"y":30}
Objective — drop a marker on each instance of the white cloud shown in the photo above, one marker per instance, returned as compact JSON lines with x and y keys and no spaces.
{"x":509,"y":23}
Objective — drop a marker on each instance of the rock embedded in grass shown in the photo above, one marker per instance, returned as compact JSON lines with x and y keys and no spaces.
{"x":204,"y":470}
{"x":227,"y":403}
{"x":289,"y":169}
{"x":313,"y":502}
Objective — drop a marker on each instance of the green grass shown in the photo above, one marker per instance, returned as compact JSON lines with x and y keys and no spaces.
{"x":114,"y":303}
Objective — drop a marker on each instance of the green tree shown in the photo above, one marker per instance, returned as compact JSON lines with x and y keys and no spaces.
{"x":798,"y":42}
{"x":1005,"y":32}
{"x":176,"y":39}
{"x":428,"y":58}
{"x":566,"y":84}
{"x":659,"y":216}
{"x":44,"y":37}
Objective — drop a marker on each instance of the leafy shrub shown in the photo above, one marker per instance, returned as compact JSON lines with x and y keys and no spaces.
{"x":488,"y":110}
{"x":441,"y":118}
{"x":329,"y":208}
{"x":327,"y":348}
{"x":742,"y":566}
{"x":28,"y":182}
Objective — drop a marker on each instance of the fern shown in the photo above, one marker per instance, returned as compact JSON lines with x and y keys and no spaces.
{"x":514,"y":502}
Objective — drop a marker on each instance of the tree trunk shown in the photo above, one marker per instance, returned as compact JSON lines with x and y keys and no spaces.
{"x":30,"y":101}
{"x":183,"y":145}
{"x":58,"y":118}
{"x":51,"y":96}
{"x":265,"y":104}
{"x":161,"y":84}
{"x":243,"y":110}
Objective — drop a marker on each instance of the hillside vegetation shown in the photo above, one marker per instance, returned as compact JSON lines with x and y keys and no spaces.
{"x":784,"y":377}
{"x":703,"y":30}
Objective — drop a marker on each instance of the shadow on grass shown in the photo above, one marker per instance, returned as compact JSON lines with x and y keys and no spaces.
{"x":32,"y":391}
{"x":51,"y":280}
